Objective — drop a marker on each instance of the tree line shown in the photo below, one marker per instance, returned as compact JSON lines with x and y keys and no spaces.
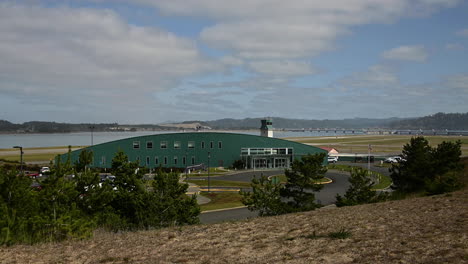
{"x":424,"y":170}
{"x":73,"y":201}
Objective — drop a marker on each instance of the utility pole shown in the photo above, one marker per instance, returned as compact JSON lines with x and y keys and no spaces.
{"x":92,"y":128}
{"x":186,"y":162}
{"x":209,"y":156}
{"x":21,"y":157}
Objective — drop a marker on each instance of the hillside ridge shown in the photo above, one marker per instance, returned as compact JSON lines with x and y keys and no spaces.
{"x":418,"y":230}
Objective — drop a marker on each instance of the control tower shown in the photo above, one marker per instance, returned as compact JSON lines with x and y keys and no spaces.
{"x":266,"y":130}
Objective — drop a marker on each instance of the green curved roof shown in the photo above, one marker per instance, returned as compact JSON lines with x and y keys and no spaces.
{"x":224,"y":148}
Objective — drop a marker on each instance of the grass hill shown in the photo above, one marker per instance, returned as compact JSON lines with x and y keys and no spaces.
{"x":419,"y":230}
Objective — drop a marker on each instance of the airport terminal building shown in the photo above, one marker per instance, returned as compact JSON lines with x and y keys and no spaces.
{"x":212,"y":149}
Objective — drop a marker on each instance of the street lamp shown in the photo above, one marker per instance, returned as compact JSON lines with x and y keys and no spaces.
{"x":209,"y":156}
{"x":186,"y":163}
{"x":21,"y":156}
{"x":92,"y":128}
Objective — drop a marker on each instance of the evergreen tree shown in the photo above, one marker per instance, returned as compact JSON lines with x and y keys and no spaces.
{"x":17,"y":207}
{"x":298,"y":193}
{"x":409,"y":175}
{"x":85,"y":158}
{"x":301,"y":183}
{"x":174,"y":206}
{"x":136,"y":205}
{"x":264,"y":198}
{"x":434,"y":170}
{"x":360,"y":190}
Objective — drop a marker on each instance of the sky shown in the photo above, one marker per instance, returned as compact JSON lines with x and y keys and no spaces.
{"x":153,"y":61}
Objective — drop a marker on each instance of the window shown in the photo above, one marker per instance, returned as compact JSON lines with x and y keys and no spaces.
{"x":147,"y":161}
{"x":202,"y":144}
{"x":184,"y":160}
{"x":136,"y":144}
{"x":103,"y":160}
{"x":175,"y":160}
{"x":177,"y":144}
{"x":193,"y":160}
{"x":156,"y":160}
{"x":165,"y":160}
{"x":211,"y":144}
{"x":220,"y":144}
{"x":149,"y":144}
{"x":163,"y":144}
{"x":191,"y":145}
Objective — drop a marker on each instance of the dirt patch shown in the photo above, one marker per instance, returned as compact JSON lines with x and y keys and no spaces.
{"x":420,"y":230}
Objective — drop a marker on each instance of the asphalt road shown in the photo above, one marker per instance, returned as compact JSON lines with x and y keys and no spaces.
{"x":325,"y":196}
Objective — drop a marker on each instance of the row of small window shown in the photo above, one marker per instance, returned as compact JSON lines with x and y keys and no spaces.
{"x":156,"y":160}
{"x":266,"y":151}
{"x":177,"y":144}
{"x":165,"y":161}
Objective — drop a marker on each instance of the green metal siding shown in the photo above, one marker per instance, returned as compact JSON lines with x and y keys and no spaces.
{"x":230,"y":151}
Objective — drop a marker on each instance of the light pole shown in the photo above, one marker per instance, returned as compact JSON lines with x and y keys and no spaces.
{"x":21,"y":157}
{"x":209,"y":156}
{"x":92,"y":128}
{"x":186,"y":162}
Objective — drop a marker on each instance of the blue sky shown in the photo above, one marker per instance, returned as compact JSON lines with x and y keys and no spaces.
{"x":143,"y":61}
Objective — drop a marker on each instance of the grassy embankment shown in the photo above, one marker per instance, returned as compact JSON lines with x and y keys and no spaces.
{"x":420,"y":230}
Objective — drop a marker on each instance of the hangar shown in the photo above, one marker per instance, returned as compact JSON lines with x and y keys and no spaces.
{"x":212,"y":149}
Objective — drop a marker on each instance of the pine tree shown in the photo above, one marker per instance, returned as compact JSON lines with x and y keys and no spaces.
{"x":264,"y":198}
{"x":301,"y":183}
{"x":360,"y":190}
{"x":295,"y":196}
{"x":410,"y":174}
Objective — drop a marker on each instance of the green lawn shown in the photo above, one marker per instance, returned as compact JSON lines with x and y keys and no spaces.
{"x":221,"y":201}
{"x":385,"y":182}
{"x":203,"y":175}
{"x":283,"y":179}
{"x":30,"y":157}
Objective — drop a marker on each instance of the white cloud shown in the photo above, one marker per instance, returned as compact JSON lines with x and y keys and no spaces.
{"x":278,"y":29}
{"x":88,"y":54}
{"x":458,"y":82}
{"x":376,"y":77}
{"x":282,"y":68}
{"x":454,"y":46}
{"x":463,"y":32}
{"x":406,"y":53}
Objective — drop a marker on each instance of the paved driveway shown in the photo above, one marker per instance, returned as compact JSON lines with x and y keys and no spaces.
{"x":326,"y":196}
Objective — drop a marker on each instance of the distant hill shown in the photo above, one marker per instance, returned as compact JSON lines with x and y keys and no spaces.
{"x":452,"y":121}
{"x":455,"y":121}
{"x":54,"y":127}
{"x":278,"y":122}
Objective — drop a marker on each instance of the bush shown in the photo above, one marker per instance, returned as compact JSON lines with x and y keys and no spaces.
{"x":66,"y":207}
{"x":433,"y":170}
{"x":360,"y":190}
{"x":274,"y":199}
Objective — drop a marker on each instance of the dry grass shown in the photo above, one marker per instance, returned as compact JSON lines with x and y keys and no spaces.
{"x":420,"y":230}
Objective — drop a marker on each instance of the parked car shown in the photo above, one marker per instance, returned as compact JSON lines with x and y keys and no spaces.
{"x":44,"y":170}
{"x":395,"y":159}
{"x":332,"y":159}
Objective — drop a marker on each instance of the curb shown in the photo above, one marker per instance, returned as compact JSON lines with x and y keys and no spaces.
{"x":219,"y":190}
{"x":224,"y":209}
